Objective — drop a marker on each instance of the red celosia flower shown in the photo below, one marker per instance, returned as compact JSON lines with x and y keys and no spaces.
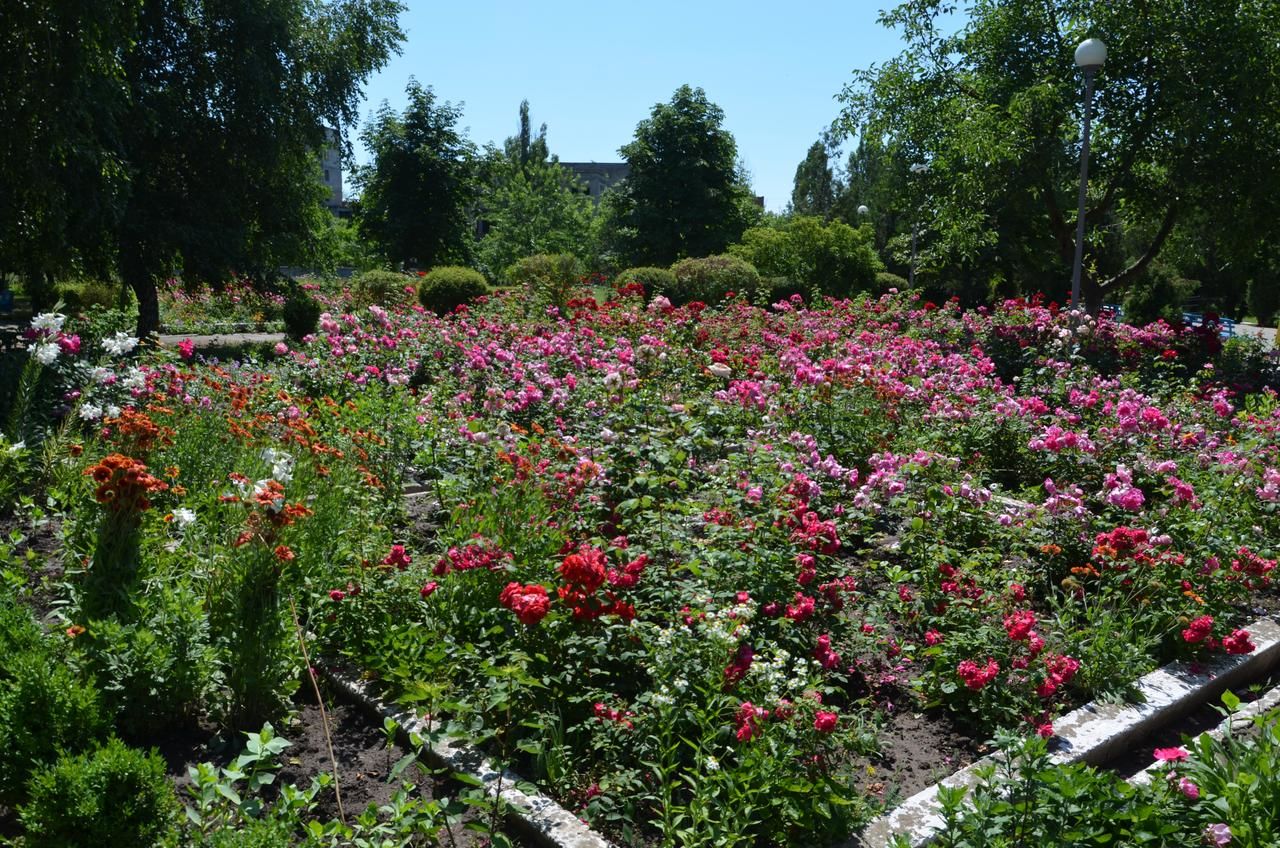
{"x":585,"y":569}
{"x":1198,"y":630}
{"x":737,"y":669}
{"x":397,"y":558}
{"x":1020,"y":624}
{"x":825,"y":721}
{"x":1171,"y":755}
{"x":1238,"y":643}
{"x":530,"y":603}
{"x":975,"y":676}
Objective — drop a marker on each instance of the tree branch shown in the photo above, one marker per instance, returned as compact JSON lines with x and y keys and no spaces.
{"x":1128,"y":274}
{"x":1061,"y":232}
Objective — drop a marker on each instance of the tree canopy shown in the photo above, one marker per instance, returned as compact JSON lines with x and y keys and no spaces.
{"x":530,"y":204}
{"x":177,"y":135}
{"x":1186,"y":126}
{"x":419,"y":190}
{"x":685,"y":195}
{"x":815,"y":184}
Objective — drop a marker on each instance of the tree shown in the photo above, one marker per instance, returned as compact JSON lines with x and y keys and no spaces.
{"x":530,"y":205}
{"x":62,"y":99}
{"x":685,"y":195}
{"x":419,"y":190}
{"x":805,"y":255}
{"x":1184,"y":105}
{"x":190,"y":136}
{"x":815,"y":184}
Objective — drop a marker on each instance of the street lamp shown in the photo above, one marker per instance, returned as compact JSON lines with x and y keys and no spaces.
{"x":862,"y":210}
{"x":1090,"y":56}
{"x":918,"y":168}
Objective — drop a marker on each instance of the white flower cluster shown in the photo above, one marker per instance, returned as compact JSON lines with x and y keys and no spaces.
{"x":92,"y":412}
{"x":281,"y":464}
{"x":46,"y":353}
{"x":183,"y":517}
{"x":48,"y":322}
{"x":782,"y":675}
{"x":119,"y":344}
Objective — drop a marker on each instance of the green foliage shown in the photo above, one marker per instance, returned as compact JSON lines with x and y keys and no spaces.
{"x":419,"y":187}
{"x":995,"y":108}
{"x":654,"y":280}
{"x":446,"y":288}
{"x":45,"y":711}
{"x":380,"y":287}
{"x":340,"y":245}
{"x":152,"y":674}
{"x":301,"y":314}
{"x":19,"y":633}
{"x":685,"y":195}
{"x":815,"y":184}
{"x":1264,"y":300}
{"x":548,"y":278}
{"x":1159,"y":294}
{"x":530,"y":204}
{"x":831,"y":259}
{"x":886,"y":281}
{"x":711,"y":278}
{"x":115,"y":796}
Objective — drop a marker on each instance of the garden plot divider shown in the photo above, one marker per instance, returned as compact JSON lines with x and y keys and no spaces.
{"x":1096,"y":732}
{"x":534,"y":814}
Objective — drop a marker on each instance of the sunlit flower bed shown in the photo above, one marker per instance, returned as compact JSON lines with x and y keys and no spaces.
{"x":681,"y":565}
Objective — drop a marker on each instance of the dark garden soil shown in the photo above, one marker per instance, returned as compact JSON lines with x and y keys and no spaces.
{"x":916,"y":751}
{"x":363,"y":761}
{"x":38,"y":554}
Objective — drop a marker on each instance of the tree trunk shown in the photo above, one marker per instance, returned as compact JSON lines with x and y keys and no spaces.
{"x":143,"y":285}
{"x":1092,"y":294}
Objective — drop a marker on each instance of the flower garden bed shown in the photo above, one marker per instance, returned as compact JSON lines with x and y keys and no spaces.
{"x":702,"y":574}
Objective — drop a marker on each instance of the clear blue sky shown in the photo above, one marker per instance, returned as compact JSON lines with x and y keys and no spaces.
{"x":592,"y":70}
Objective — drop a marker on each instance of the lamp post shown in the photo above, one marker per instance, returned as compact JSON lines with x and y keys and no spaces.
{"x":862,"y":210}
{"x":918,"y":168}
{"x":1090,"y":56}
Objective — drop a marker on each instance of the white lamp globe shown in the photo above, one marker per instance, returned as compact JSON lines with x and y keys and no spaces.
{"x":862,"y":210}
{"x":1091,"y":54}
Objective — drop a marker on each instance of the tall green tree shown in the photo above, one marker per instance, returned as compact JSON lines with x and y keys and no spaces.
{"x":530,"y":204}
{"x":192,"y":130}
{"x":685,"y":195}
{"x":815,"y":188}
{"x":419,"y":190}
{"x":1186,"y":121}
{"x":63,"y":100}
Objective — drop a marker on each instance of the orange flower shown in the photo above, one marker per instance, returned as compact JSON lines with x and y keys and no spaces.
{"x":75,"y":630}
{"x":284,"y":553}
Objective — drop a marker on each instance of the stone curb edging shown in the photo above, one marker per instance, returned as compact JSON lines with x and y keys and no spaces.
{"x":1240,"y":718}
{"x":536,"y":815}
{"x":1095,"y":732}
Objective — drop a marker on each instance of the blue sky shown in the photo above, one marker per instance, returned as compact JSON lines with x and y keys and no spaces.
{"x":592,"y":70}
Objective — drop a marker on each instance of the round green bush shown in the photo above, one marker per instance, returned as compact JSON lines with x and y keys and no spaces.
{"x":449,"y":286}
{"x":45,"y":711}
{"x":886,"y":281}
{"x":380,"y":287}
{"x":549,"y":278}
{"x":301,"y":314}
{"x":711,"y":278}
{"x":116,"y":795}
{"x":654,"y":280}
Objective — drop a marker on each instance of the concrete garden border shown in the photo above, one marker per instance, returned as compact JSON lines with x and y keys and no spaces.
{"x":1096,"y":732}
{"x":534,"y":814}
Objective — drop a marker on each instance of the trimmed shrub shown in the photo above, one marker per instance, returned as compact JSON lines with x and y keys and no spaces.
{"x":44,"y":712}
{"x":115,"y":796}
{"x":654,"y":280}
{"x":711,"y":278}
{"x":549,"y":278}
{"x":449,"y":286}
{"x":301,"y":314}
{"x":886,"y":281}
{"x":380,"y":287}
{"x":823,"y":258}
